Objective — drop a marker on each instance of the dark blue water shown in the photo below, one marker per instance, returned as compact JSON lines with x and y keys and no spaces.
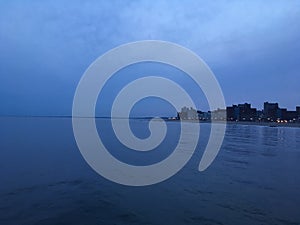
{"x":44,"y":180}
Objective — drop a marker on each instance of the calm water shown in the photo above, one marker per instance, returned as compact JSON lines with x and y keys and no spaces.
{"x":44,"y":180}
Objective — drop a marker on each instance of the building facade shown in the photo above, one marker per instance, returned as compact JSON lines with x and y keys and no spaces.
{"x":271,"y":111}
{"x":188,"y":114}
{"x":241,"y":112}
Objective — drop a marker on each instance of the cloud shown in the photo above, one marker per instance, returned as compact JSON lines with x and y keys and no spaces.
{"x":57,"y":40}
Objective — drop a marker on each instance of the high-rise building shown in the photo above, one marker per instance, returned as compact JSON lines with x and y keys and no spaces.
{"x":204,"y":116}
{"x":241,"y":112}
{"x":188,"y":113}
{"x":271,"y":111}
{"x":260,"y":115}
{"x":219,"y":114}
{"x":246,"y":113}
{"x":298,"y":110}
{"x":289,"y":115}
{"x":231,"y":113}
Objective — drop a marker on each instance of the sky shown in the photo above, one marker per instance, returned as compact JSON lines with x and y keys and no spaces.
{"x":252,"y":47}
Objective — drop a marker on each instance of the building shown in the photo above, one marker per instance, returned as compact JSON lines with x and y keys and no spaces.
{"x":241,"y":112}
{"x":188,"y":114}
{"x":260,"y":115}
{"x":204,"y":116}
{"x":271,"y":112}
{"x":246,"y":113}
{"x":232,"y":113}
{"x":291,"y":116}
{"x":219,"y":114}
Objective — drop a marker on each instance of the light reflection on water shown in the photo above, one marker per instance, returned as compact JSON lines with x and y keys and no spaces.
{"x":44,"y":180}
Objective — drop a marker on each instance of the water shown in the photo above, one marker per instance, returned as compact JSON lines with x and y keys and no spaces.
{"x":44,"y":180}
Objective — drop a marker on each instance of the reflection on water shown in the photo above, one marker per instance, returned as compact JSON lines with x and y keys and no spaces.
{"x":44,"y":180}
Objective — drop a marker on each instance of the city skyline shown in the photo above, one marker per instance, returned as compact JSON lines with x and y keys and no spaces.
{"x":271,"y":112}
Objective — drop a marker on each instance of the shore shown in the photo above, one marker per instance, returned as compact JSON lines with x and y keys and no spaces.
{"x":248,"y":123}
{"x":267,"y":124}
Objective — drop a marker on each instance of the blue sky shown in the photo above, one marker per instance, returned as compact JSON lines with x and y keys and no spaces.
{"x":252,"y":47}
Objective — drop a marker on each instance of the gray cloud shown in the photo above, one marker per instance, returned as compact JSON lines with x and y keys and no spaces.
{"x":47,"y":45}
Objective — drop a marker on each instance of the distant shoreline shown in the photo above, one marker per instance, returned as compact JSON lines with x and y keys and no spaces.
{"x":268,"y":124}
{"x":245,"y":123}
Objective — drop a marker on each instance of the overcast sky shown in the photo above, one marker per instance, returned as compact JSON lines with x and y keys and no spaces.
{"x":252,"y":47}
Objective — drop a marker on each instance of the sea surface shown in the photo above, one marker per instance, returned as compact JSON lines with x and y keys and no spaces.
{"x":44,"y":180}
